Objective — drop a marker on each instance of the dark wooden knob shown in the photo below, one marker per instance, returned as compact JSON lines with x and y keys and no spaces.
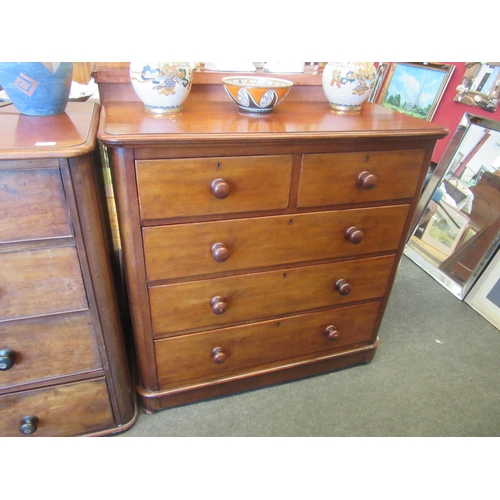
{"x":220,"y":253}
{"x":220,"y":189}
{"x":366,"y":180}
{"x":28,"y":425}
{"x":354,"y":235}
{"x":332,"y":333}
{"x":7,"y":358}
{"x":219,"y":305}
{"x":343,"y":287}
{"x":218,"y":355}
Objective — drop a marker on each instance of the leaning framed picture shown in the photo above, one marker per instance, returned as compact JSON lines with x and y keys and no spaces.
{"x":445,"y":229}
{"x":484,"y":296}
{"x":415,"y":88}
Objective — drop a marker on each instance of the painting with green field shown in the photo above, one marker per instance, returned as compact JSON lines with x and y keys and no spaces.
{"x":415,"y":88}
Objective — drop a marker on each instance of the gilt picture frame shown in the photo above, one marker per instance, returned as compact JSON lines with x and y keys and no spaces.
{"x":415,"y":88}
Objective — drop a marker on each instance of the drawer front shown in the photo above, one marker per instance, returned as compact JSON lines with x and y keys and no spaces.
{"x":65,"y":410}
{"x":33,"y":205}
{"x":203,"y":186}
{"x":207,"y":356}
{"x":222,"y":301}
{"x":43,"y":348}
{"x":37,"y":282}
{"x":194,"y":249}
{"x":332,"y":179}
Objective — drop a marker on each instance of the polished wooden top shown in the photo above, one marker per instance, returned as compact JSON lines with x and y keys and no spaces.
{"x":127,"y":123}
{"x":72,"y":133}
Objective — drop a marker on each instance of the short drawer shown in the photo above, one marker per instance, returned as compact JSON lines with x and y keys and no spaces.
{"x":33,"y":205}
{"x":210,"y":247}
{"x":203,"y":186}
{"x":39,"y":349}
{"x":65,"y":410}
{"x":208,"y":356}
{"x":42,"y":281}
{"x":222,"y":301}
{"x":340,"y":178}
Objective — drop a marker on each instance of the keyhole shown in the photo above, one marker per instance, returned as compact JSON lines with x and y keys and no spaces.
{"x":367,"y":159}
{"x":218,"y":166}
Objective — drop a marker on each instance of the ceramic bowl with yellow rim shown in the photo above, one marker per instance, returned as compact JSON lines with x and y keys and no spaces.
{"x":256,"y":94}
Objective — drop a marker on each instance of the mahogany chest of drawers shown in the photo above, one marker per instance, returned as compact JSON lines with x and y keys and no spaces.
{"x":63,"y":366}
{"x":259,"y":250}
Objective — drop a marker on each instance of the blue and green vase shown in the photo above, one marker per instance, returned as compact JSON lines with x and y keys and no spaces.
{"x":37,"y":88}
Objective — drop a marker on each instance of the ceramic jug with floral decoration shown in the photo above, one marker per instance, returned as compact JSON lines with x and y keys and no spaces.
{"x":162,"y":86}
{"x":347,"y":85}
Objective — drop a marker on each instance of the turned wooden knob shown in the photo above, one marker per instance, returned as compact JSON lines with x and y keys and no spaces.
{"x":354,"y":235}
{"x":220,"y":189}
{"x":218,"y":355}
{"x":343,"y":287}
{"x":220,"y":253}
{"x":366,"y":180}
{"x":332,"y":333}
{"x":219,"y":305}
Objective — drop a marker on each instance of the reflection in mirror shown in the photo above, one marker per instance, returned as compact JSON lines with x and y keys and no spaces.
{"x":459,"y":228}
{"x":480,"y":85}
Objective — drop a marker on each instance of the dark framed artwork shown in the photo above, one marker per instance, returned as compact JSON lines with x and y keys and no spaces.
{"x":484,"y":297}
{"x":415,"y":88}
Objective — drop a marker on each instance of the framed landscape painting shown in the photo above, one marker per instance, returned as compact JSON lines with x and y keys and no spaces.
{"x":445,"y":229}
{"x":415,"y":88}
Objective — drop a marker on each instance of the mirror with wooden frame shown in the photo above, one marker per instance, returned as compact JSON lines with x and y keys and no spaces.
{"x":458,"y":229}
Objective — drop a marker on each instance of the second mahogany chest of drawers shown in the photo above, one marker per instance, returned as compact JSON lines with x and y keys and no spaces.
{"x":259,"y":249}
{"x":63,"y":364}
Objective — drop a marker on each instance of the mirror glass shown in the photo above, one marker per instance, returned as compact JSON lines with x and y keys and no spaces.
{"x":458,"y":230}
{"x":480,"y":85}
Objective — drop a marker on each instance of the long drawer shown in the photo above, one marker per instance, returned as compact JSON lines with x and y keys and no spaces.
{"x":65,"y":410}
{"x":359,"y":177}
{"x":42,"y":281}
{"x":203,"y":248}
{"x":212,"y":303}
{"x":208,"y":356}
{"x":201,"y":186}
{"x":43,"y":348}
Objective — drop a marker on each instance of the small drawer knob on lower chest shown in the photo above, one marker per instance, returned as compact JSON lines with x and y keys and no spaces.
{"x":354,"y":235}
{"x":220,"y":189}
{"x":220,"y":252}
{"x":367,"y":181}
{"x":343,"y":287}
{"x":28,"y":425}
{"x":218,"y":355}
{"x":219,"y":305}
{"x":332,"y":333}
{"x":7,"y":358}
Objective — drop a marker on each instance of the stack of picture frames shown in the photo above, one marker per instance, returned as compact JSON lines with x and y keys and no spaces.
{"x":456,"y":236}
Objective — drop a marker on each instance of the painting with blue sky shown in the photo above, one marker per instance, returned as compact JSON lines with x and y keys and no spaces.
{"x":415,"y":89}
